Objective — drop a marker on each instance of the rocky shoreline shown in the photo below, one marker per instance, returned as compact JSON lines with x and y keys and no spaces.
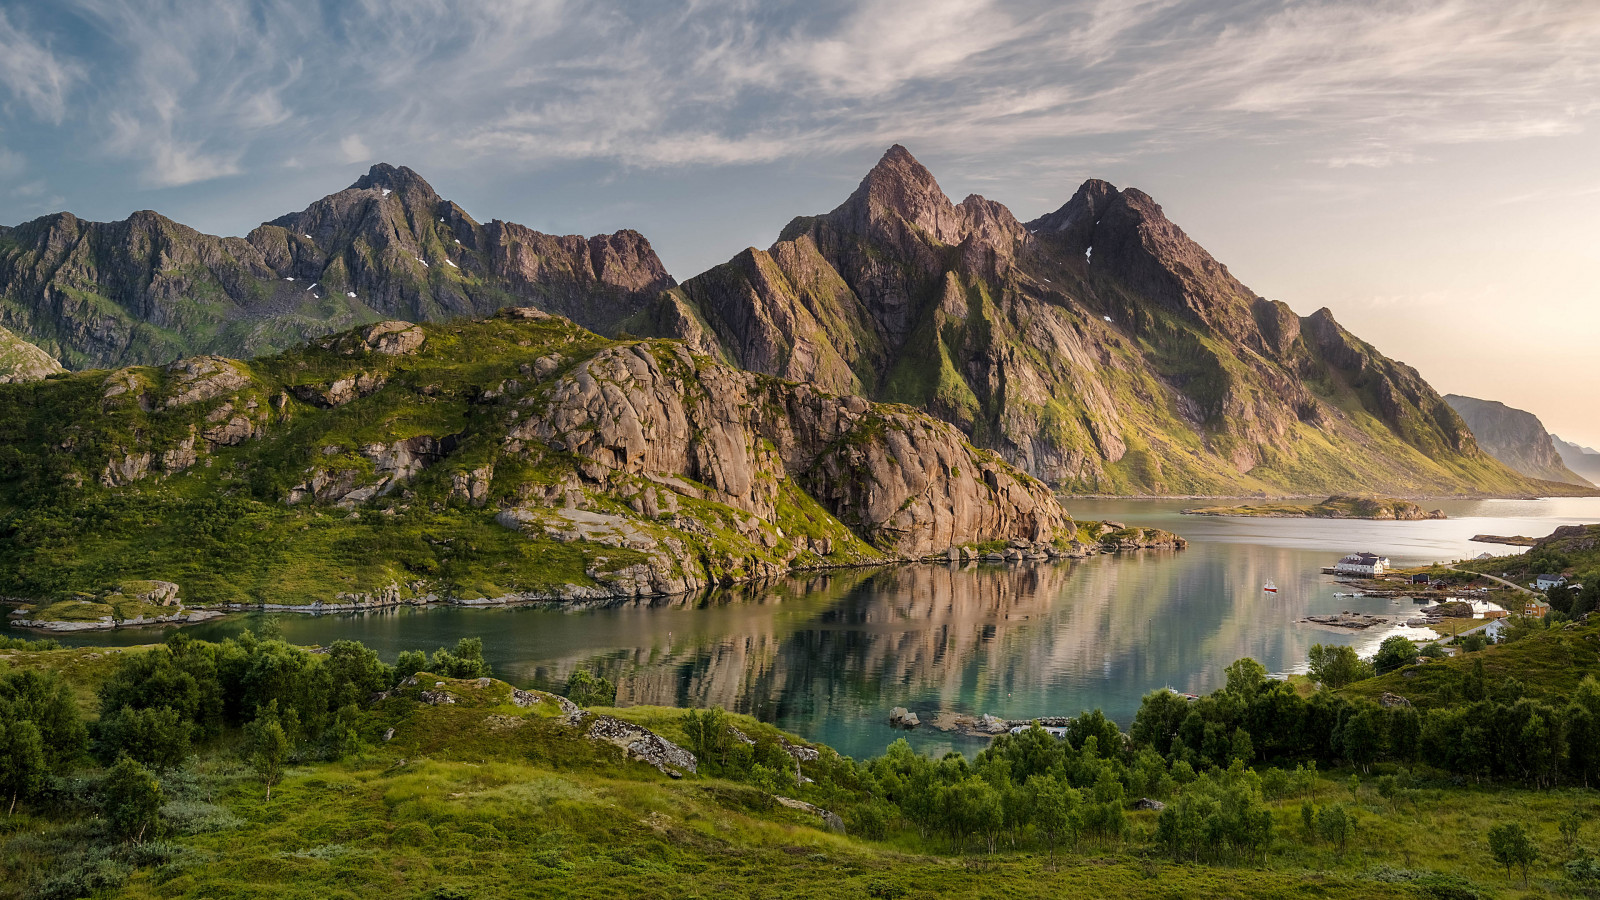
{"x":188,"y":616}
{"x":1114,"y":538}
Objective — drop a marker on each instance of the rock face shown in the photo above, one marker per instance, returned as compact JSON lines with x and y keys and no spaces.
{"x":147,"y":289}
{"x":1515,"y":437}
{"x":908,"y":483}
{"x":21,"y":361}
{"x":525,"y":458}
{"x":1098,"y":347}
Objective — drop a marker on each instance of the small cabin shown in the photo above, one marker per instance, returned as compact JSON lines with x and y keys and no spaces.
{"x":1419,"y":579}
{"x":1546,"y":582}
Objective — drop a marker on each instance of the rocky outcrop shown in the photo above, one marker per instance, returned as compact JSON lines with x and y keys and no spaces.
{"x":1515,"y":437}
{"x":21,"y":361}
{"x":526,"y":460}
{"x":347,"y":483}
{"x":642,"y":745}
{"x":908,"y":483}
{"x":1098,"y":347}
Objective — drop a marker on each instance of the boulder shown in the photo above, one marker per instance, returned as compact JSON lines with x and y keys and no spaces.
{"x":643,"y":745}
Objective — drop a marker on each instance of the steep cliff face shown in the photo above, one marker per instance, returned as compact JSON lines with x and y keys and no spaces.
{"x":148,"y":290}
{"x":518,"y":457}
{"x":22,"y":361}
{"x":1098,"y":347}
{"x":1515,"y":437}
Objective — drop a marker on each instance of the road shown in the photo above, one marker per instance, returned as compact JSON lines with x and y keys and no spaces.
{"x":1509,"y":584}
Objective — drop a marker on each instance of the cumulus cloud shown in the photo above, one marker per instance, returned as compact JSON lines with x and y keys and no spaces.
{"x":354,"y":149}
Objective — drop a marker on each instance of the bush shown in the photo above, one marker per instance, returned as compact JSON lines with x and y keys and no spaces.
{"x":132,"y":800}
{"x":1394,"y":653}
{"x":87,"y":874}
{"x":586,"y":689}
{"x":156,"y":737}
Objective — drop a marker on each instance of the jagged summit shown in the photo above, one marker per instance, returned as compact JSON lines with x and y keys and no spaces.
{"x":387,"y":247}
{"x":384,"y":176}
{"x":1099,"y":346}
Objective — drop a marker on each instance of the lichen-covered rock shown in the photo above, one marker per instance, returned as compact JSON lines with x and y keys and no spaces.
{"x":203,"y":378}
{"x":642,"y":744}
{"x":21,"y":361}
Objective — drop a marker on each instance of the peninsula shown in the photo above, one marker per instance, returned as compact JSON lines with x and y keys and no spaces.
{"x":1336,"y":507}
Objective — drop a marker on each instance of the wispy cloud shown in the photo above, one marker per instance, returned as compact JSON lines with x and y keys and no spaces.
{"x":33,"y":72}
{"x":198,"y":92}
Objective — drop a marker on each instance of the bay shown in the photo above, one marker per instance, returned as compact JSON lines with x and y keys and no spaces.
{"x":827,"y":656}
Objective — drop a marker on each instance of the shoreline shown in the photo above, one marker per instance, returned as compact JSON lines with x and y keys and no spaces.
{"x":577,"y":598}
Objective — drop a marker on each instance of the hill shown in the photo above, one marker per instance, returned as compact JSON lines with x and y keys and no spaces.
{"x":148,"y":290}
{"x":1337,"y":507}
{"x":329,"y":772}
{"x":513,"y":458}
{"x":1098,"y":348}
{"x":1515,"y":437}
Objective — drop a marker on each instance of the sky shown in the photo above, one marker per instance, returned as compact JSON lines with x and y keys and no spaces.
{"x":1427,"y":169}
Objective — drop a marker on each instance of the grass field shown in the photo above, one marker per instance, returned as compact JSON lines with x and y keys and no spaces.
{"x":483,"y":798}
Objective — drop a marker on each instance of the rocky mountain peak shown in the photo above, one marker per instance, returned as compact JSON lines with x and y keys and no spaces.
{"x":1074,"y":223}
{"x":401,"y":180}
{"x":899,"y":187}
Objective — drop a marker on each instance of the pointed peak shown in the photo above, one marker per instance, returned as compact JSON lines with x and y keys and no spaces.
{"x":898,"y":187}
{"x":401,"y":179}
{"x":899,"y":169}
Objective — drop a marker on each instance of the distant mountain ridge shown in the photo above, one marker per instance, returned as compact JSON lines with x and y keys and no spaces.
{"x":147,"y":290}
{"x":1585,"y":461}
{"x":1098,"y":347}
{"x":1515,"y":437}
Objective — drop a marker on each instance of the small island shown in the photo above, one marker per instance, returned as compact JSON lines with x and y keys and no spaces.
{"x":1339,"y":506}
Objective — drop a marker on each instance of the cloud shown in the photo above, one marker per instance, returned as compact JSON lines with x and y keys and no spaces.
{"x":33,"y":72}
{"x":196,"y":93}
{"x":354,"y":149}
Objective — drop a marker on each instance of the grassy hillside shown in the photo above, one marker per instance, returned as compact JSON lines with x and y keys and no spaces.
{"x":184,"y":478}
{"x":461,"y":787}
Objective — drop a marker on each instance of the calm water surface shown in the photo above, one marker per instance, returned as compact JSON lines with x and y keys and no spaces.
{"x":828,"y":656}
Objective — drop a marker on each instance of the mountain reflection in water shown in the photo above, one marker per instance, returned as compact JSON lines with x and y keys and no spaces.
{"x":828,"y":655}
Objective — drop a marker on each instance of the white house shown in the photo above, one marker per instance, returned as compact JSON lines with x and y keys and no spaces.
{"x":1361,"y":564}
{"x":1546,"y":582}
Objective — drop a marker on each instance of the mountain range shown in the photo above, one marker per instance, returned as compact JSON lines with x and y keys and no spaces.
{"x":1098,"y":348}
{"x":1584,"y":461}
{"x":1515,"y":437}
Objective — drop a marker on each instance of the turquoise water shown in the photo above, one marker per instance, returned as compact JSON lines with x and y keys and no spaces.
{"x":828,"y":656}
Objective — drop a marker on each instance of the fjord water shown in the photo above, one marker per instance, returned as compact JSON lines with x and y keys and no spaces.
{"x":827,"y":656}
